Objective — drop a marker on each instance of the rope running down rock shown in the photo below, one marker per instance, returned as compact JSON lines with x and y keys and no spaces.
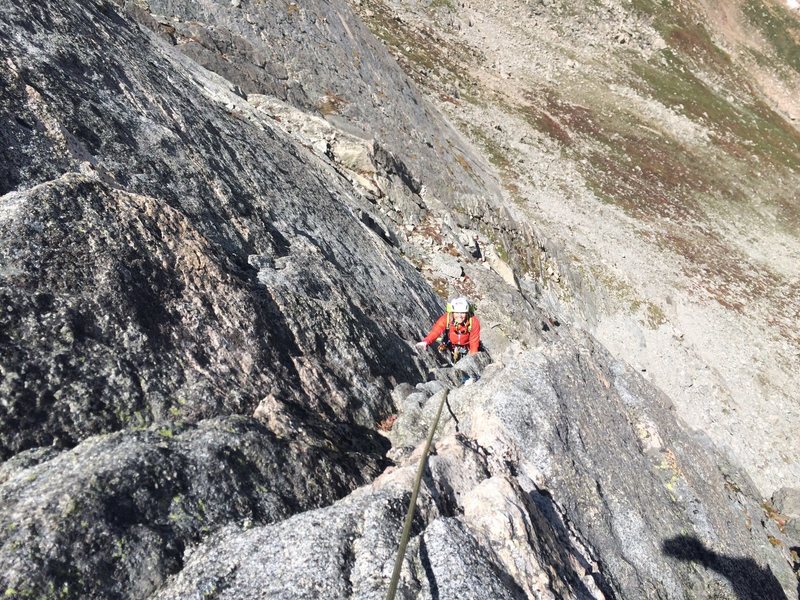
{"x":401,"y":551}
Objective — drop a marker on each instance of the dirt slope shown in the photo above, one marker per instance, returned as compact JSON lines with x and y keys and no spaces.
{"x":656,"y":148}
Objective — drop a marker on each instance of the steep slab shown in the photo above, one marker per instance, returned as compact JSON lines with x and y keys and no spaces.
{"x":201,"y":263}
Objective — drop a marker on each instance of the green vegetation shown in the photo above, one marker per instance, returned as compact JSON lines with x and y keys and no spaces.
{"x":627,"y":163}
{"x":694,"y":40}
{"x":653,"y":177}
{"x":685,"y":33}
{"x":654,"y":316}
{"x":496,"y":155}
{"x":139,"y":420}
{"x":502,"y":252}
{"x":177,"y":511}
{"x":119,"y":549}
{"x":623,"y":162}
{"x":24,"y":592}
{"x":419,"y":50}
{"x":448,"y":4}
{"x":672,"y":82}
{"x":742,"y":131}
{"x":778,"y":26}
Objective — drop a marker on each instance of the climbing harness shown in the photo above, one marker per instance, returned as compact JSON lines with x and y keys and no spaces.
{"x":401,"y":551}
{"x":462,"y":332}
{"x":456,"y":352}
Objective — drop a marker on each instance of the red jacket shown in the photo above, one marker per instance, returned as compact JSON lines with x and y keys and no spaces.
{"x":466,"y":334}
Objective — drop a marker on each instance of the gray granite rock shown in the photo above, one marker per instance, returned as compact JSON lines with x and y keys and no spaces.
{"x":112,"y":517}
{"x":787,"y":501}
{"x":330,"y":64}
{"x":570,"y":477}
{"x":126,"y":290}
{"x":203,"y":317}
{"x":659,"y":507}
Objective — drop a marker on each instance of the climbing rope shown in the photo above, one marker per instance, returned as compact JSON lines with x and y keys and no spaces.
{"x":401,"y":551}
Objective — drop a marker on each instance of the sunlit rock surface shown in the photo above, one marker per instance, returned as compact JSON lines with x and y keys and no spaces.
{"x":207,"y":309}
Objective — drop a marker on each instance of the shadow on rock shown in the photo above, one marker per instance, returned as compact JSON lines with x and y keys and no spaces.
{"x":749,"y":580}
{"x":553,"y":534}
{"x":426,"y":565}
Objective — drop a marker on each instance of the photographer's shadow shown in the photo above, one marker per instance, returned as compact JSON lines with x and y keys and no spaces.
{"x":749,"y":580}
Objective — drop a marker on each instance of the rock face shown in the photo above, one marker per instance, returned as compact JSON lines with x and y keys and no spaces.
{"x":177,"y":278}
{"x":321,"y":58}
{"x":110,"y":518}
{"x":655,"y":148}
{"x":560,"y":474}
{"x":207,"y":295}
{"x":168,"y":257}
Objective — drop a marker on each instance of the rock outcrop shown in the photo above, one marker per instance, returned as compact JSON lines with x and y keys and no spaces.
{"x":320,"y":57}
{"x":165,"y":259}
{"x":655,"y":148}
{"x":112,"y":517}
{"x":558,"y":474}
{"x":221,"y":226}
{"x":169,"y":257}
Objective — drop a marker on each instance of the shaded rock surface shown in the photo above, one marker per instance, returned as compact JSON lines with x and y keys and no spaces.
{"x":111,"y":517}
{"x":169,"y":257}
{"x":348,"y":78}
{"x":321,"y":58}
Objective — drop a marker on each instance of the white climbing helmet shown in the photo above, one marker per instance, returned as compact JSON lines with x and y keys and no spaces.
{"x":459,"y":305}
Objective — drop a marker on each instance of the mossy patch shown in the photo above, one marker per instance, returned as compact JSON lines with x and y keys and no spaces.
{"x":694,"y":40}
{"x":439,"y":285}
{"x":649,"y":313}
{"x":559,"y":119}
{"x":624,"y":162}
{"x":652,"y":314}
{"x":447,"y":4}
{"x":498,"y":156}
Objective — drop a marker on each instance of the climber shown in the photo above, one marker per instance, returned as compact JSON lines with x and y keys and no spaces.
{"x":458,"y":330}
